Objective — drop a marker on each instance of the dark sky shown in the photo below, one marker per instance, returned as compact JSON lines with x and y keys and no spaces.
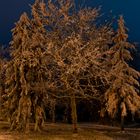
{"x":10,"y":10}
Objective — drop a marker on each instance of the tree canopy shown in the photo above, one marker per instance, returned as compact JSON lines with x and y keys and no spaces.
{"x":59,"y":53}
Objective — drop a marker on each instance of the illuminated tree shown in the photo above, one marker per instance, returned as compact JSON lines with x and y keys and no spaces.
{"x":23,"y":72}
{"x":2,"y":77}
{"x":17,"y":103}
{"x":77,"y":46}
{"x":122,"y":94}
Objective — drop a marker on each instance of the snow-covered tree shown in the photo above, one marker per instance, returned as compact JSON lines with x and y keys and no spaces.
{"x":77,"y":45}
{"x":3,"y":60}
{"x":25,"y":70}
{"x":2,"y":74}
{"x":122,"y":94}
{"x":17,"y":103}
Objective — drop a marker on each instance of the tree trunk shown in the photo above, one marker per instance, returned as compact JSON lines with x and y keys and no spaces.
{"x":66,"y":113}
{"x":74,"y":113}
{"x":53,"y":104}
{"x":122,"y":123}
{"x":133,"y":117}
{"x":39,"y":119}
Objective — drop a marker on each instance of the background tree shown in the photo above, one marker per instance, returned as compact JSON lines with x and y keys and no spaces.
{"x":4,"y":56}
{"x":122,"y":94}
{"x":2,"y":77}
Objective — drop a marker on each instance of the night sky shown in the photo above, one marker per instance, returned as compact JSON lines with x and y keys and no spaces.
{"x":10,"y":11}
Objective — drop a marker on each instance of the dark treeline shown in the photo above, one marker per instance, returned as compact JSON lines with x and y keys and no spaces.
{"x":65,"y":67}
